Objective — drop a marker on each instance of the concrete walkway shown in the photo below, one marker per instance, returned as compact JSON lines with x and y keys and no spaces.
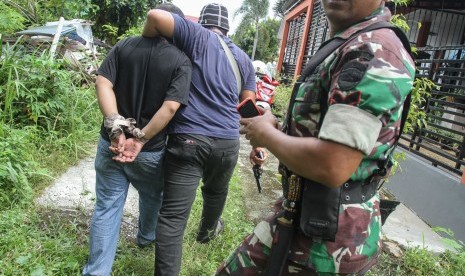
{"x":75,"y":189}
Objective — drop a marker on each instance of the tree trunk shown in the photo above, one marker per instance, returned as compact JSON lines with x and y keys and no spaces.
{"x":255,"y":40}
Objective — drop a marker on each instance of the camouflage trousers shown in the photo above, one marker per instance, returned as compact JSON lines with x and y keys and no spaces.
{"x":250,"y":258}
{"x":307,"y":254}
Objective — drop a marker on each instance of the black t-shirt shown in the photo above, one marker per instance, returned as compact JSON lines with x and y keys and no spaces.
{"x":145,"y":72}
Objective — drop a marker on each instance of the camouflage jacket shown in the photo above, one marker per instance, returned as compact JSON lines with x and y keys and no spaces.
{"x":366,"y":81}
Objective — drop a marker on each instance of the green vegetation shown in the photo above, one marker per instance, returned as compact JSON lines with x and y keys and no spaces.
{"x":278,"y":8}
{"x":252,"y":12}
{"x":418,"y":261}
{"x":50,"y":119}
{"x":281,"y":100}
{"x":267,"y":44}
{"x":10,"y":19}
{"x":47,"y":118}
{"x":54,"y":242}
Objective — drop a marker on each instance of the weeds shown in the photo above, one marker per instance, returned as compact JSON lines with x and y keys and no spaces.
{"x":17,"y":166}
{"x":47,"y":120}
{"x":282,"y":97}
{"x":43,"y":243}
{"x":55,"y":242}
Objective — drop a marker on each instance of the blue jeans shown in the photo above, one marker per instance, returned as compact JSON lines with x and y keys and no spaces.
{"x":112,"y":183}
{"x":190,"y":158}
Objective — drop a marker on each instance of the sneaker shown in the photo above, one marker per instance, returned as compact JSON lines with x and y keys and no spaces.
{"x":210,"y":235}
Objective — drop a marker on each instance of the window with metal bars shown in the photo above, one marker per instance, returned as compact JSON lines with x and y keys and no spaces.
{"x":294,"y":40}
{"x":317,"y":33}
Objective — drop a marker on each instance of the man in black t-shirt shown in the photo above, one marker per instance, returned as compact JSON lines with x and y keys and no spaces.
{"x":140,"y":85}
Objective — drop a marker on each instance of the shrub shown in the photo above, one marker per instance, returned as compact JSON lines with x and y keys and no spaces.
{"x":16,"y":165}
{"x":281,"y":100}
{"x":10,"y":19}
{"x":46,"y":115}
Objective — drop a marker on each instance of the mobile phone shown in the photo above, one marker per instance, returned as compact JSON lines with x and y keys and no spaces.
{"x":248,"y":109}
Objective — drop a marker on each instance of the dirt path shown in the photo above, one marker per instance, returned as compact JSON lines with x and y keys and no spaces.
{"x":258,"y":205}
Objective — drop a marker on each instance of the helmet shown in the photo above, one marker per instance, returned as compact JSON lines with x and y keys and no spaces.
{"x":264,"y":105}
{"x":215,"y":15}
{"x":260,"y":68}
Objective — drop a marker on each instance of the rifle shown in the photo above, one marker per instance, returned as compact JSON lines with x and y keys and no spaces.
{"x":257,"y":172}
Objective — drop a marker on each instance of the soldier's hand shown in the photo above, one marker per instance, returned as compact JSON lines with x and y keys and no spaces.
{"x":258,"y":128}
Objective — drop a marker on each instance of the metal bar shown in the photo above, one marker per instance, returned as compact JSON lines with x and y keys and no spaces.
{"x":445,"y":128}
{"x":445,"y":103}
{"x":447,"y":111}
{"x":449,"y":69}
{"x":445,"y":77}
{"x":441,"y":145}
{"x":455,"y":95}
{"x":449,"y":47}
{"x":442,"y":154}
{"x":436,"y":162}
{"x":442,"y":60}
{"x":412,"y":6}
{"x":446,"y":120}
{"x":440,"y":135}
{"x":452,"y":86}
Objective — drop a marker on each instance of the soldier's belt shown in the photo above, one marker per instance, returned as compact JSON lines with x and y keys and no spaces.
{"x":358,"y":192}
{"x":318,"y":205}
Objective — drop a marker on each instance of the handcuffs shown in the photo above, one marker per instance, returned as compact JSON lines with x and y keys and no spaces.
{"x":116,"y":124}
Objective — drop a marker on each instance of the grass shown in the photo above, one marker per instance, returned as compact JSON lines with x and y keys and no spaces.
{"x":36,"y":243}
{"x":55,"y":242}
{"x":418,"y":261}
{"x":40,"y":241}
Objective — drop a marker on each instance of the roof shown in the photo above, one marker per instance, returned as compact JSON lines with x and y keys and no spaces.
{"x":47,"y":30}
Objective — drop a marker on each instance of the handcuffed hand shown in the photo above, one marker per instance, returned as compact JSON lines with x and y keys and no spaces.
{"x":131,"y":149}
{"x":117,"y":143}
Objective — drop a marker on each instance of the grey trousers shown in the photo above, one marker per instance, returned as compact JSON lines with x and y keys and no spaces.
{"x":188,"y":159}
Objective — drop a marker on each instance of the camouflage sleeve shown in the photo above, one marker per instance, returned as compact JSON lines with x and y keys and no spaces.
{"x":368,"y":84}
{"x":351,"y":126}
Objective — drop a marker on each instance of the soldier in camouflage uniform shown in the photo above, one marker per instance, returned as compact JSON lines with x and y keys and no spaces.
{"x":366,"y":80}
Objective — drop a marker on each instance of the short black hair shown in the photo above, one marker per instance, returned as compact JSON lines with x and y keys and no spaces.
{"x":170,"y":8}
